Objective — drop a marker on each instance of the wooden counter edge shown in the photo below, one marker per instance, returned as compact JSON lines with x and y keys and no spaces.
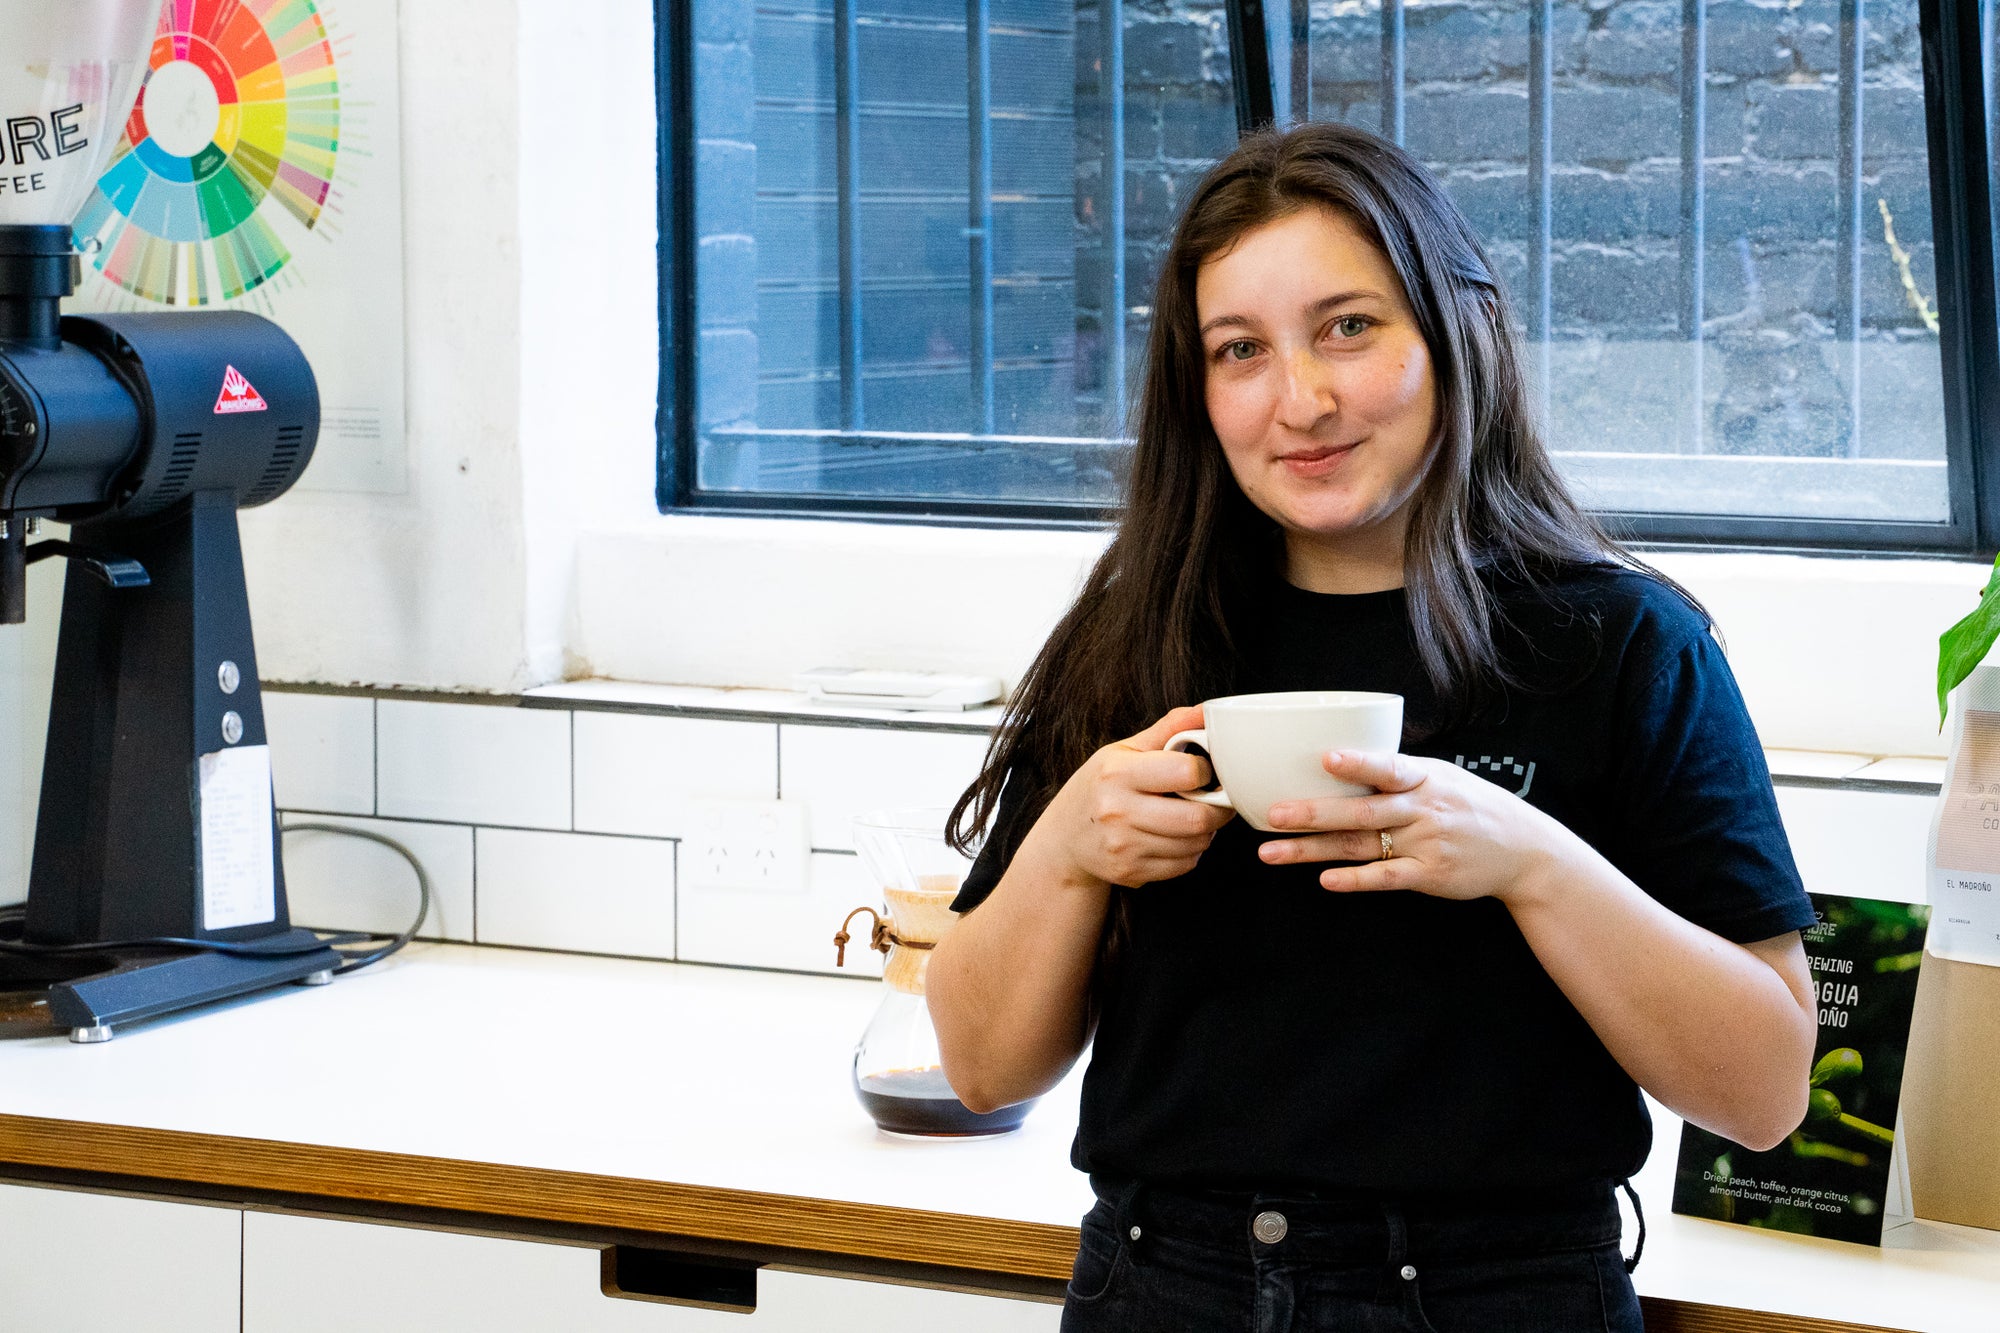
{"x":870,"y":1231}
{"x":712,"y":1213}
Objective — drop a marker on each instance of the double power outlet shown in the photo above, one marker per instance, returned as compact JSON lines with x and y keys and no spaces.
{"x":748,"y":846}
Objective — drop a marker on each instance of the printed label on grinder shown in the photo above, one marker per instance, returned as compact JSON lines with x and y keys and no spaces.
{"x":238,"y":875}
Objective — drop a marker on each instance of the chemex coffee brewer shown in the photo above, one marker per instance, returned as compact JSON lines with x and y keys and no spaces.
{"x":898,"y":1073}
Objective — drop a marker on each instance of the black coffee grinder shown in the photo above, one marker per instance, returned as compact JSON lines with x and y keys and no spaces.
{"x":156,"y":883}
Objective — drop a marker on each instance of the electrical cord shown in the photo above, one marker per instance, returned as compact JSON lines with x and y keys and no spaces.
{"x":279,"y":948}
{"x":12,"y":917}
{"x":355,"y":962}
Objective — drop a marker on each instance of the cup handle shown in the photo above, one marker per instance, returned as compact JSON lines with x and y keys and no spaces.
{"x":1180,"y":741}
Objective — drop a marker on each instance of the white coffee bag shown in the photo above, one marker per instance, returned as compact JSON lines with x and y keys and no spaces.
{"x":1965,"y":828}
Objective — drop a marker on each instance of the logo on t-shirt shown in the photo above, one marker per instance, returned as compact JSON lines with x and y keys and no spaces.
{"x":1501,"y":771}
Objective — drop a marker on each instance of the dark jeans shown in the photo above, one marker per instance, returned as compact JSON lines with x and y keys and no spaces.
{"x":1273,"y":1264}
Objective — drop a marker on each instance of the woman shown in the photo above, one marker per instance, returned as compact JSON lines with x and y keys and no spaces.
{"x":1379,"y":1071}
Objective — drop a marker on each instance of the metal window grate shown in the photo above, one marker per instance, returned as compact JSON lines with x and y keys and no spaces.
{"x":979,"y":197}
{"x":1540,"y":312}
{"x":1113,"y":308}
{"x":1395,"y":73}
{"x":847,"y":132}
{"x":1694,"y":216}
{"x":1847,"y":271}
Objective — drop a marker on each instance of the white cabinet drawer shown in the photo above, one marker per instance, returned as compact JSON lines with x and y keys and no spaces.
{"x":404,"y":1280}
{"x":72,"y":1262}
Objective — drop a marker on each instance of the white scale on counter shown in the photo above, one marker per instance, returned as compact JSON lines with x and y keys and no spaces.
{"x":930,"y":691}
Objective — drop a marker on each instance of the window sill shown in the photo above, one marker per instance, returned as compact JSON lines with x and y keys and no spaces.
{"x":1853,"y":772}
{"x":1826,"y":770}
{"x":1832,"y":653}
{"x":747,"y":705}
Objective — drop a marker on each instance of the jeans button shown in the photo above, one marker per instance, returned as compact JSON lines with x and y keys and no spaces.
{"x":1409,"y":1273}
{"x":1269,"y":1227}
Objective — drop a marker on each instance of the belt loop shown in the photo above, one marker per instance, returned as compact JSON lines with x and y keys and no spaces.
{"x":1131,"y":1231}
{"x":1399,"y":1235}
{"x":1396,"y":1225}
{"x":1639,"y":1212}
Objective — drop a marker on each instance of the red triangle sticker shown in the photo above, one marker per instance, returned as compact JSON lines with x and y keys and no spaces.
{"x":238,"y":395}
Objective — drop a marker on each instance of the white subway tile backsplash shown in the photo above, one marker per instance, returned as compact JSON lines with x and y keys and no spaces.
{"x":576,"y":891}
{"x":755,"y":846}
{"x":1860,"y":843}
{"x":640,"y":775}
{"x":322,"y":751}
{"x":628,"y":783}
{"x":341,"y":883}
{"x":845,"y":771}
{"x":789,"y":931}
{"x":473,"y":763}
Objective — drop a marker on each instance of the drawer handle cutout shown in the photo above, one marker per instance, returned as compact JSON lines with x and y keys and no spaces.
{"x":632,"y":1273}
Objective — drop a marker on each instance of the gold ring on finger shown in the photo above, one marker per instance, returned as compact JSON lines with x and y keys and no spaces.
{"x":1388,"y":845}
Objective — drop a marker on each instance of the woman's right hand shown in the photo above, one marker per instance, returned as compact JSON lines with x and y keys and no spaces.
{"x":1117,"y":819}
{"x":1009,"y":987}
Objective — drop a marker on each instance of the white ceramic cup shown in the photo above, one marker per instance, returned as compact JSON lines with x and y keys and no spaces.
{"x":1267,"y":748}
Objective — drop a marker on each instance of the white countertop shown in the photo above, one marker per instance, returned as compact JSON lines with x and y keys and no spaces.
{"x":694,"y":1075}
{"x":739,"y":1080}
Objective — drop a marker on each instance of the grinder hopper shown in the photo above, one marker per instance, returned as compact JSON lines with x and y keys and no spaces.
{"x":69,"y":73}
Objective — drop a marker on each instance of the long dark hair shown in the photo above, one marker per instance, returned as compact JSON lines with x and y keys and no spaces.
{"x":1151,"y":628}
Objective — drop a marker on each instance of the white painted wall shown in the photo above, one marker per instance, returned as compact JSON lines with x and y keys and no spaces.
{"x":427,"y":588}
{"x":1835,"y":654}
{"x":589,"y":335}
{"x":529,"y":187}
{"x":746,"y":601}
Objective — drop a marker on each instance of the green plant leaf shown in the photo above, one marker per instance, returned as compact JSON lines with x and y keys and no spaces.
{"x":1965,"y":645}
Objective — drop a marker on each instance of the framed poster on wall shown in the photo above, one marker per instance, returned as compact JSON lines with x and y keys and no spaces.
{"x":260,"y":170}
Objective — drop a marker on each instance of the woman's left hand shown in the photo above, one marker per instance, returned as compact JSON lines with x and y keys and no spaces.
{"x":1451,"y":834}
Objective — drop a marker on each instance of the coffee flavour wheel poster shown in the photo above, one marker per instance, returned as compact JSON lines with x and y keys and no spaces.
{"x":1831,"y":1175}
{"x":260,"y":170}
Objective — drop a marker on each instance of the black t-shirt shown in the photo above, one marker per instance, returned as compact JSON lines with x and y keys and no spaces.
{"x":1258,"y":1032}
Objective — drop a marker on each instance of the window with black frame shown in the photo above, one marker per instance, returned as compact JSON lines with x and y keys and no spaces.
{"x":923,"y":237}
